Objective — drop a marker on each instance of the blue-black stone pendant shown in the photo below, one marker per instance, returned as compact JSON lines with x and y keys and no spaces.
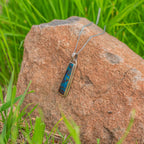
{"x":67,"y":79}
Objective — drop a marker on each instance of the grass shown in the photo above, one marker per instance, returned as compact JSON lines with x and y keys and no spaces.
{"x":124,"y":20}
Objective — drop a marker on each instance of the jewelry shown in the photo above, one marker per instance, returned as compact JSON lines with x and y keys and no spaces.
{"x":67,"y":79}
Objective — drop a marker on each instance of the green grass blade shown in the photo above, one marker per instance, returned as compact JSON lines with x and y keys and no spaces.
{"x":13,"y":23}
{"x":38,"y":131}
{"x":128,"y":128}
{"x":3,"y":117}
{"x":53,"y":129}
{"x":14,"y":132}
{"x":4,"y":53}
{"x":98,"y":141}
{"x":4,"y":132}
{"x":6,"y":105}
{"x":53,"y":8}
{"x":125,"y":12}
{"x":13,"y":95}
{"x":61,"y":8}
{"x":23,"y":96}
{"x":134,"y":34}
{"x":1,"y":95}
{"x":128,"y":24}
{"x":7,"y":49}
{"x":36,"y":10}
{"x":1,"y":140}
{"x":79,"y":6}
{"x":27,"y":137}
{"x":73,"y":129}
{"x":9,"y":92}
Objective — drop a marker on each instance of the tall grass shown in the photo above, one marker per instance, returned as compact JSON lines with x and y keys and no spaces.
{"x":124,"y":20}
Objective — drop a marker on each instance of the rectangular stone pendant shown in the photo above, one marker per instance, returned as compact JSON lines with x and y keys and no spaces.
{"x":67,"y":79}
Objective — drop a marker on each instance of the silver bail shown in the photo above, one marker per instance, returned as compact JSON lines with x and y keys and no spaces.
{"x":74,"y":57}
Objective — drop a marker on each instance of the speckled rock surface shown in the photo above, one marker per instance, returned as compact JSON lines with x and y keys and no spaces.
{"x":108,"y":82}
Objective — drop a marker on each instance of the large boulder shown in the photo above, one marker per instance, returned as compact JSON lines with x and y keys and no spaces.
{"x":108,"y":82}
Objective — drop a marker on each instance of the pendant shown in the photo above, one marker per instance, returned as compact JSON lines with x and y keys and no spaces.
{"x":68,"y":77}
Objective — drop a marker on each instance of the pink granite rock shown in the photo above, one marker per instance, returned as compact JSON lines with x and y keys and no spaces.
{"x":108,"y":82}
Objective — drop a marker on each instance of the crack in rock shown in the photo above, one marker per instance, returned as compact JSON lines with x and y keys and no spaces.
{"x":110,"y":135}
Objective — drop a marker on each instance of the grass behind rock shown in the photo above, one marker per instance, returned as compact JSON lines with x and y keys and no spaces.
{"x":123,"y":19}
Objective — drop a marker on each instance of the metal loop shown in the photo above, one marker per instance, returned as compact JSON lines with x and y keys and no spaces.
{"x":74,"y":57}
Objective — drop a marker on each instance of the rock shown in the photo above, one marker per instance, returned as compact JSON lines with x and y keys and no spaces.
{"x":108,"y":82}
